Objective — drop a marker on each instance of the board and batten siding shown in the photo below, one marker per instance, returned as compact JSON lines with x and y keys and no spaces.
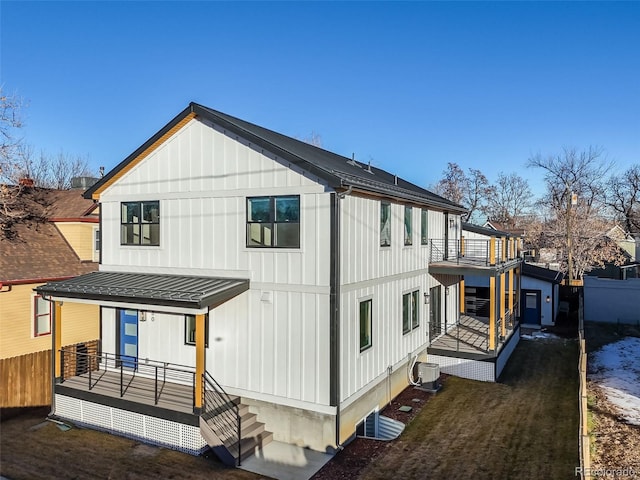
{"x":384,"y":274}
{"x":271,"y":342}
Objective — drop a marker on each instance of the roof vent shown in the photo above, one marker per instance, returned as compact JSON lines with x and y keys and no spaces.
{"x":369,"y":168}
{"x":395,"y":179}
{"x":353,"y":161}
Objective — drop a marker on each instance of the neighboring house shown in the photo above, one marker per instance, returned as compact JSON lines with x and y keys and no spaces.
{"x":254,"y":286}
{"x":631,"y":266}
{"x":539,"y":287}
{"x":59,"y":246}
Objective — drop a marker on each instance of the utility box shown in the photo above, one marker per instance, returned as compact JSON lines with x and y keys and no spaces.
{"x":429,"y":374}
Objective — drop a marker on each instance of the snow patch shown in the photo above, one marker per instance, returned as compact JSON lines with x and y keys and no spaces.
{"x":616,"y":369}
{"x":539,"y":335}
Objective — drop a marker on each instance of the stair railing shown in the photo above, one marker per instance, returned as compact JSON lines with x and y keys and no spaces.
{"x":221,"y":411}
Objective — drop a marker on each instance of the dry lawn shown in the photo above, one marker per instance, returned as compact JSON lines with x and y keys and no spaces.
{"x":33,"y":449}
{"x":526,"y":426}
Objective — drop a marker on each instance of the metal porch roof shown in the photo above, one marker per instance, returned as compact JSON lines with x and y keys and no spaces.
{"x":149,"y":289}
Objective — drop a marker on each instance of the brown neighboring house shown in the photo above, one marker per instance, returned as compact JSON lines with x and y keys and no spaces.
{"x":58,"y":241}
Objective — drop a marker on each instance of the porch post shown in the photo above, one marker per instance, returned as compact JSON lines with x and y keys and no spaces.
{"x":492,"y":251}
{"x":503,"y":326}
{"x":57,"y":339}
{"x":492,"y":312}
{"x":511,"y":291}
{"x":504,"y":249}
{"x":462,"y":295}
{"x":200,"y":360}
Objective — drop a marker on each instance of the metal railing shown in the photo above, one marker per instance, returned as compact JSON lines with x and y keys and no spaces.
{"x":221,"y":412}
{"x":95,"y":365}
{"x":469,"y":250}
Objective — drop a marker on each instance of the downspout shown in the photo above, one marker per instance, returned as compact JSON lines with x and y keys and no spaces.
{"x":334,"y":307}
{"x":53,"y":356}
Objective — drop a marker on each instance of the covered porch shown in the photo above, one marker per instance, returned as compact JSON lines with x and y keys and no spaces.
{"x":135,"y":388}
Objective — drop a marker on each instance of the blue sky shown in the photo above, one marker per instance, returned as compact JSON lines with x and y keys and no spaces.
{"x":409,"y":86}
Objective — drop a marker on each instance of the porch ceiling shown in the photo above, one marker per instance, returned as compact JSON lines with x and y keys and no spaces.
{"x":149,"y":289}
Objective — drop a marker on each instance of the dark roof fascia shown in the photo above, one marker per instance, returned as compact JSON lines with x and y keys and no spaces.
{"x":541,"y":273}
{"x":326,"y":175}
{"x":486,"y":231}
{"x":87,"y":292}
{"x":334,"y":179}
{"x":113,"y":172}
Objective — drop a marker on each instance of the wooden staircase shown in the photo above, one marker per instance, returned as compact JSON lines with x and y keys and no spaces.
{"x":219,"y":424}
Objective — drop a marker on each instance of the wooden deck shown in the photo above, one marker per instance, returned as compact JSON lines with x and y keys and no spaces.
{"x":136,"y":388}
{"x":469,"y":336}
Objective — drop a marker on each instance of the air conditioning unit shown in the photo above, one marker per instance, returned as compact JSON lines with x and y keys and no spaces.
{"x":429,"y":374}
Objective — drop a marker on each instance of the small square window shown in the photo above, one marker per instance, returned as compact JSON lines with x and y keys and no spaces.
{"x":190,"y":330}
{"x":273,"y":222}
{"x":140,"y":223}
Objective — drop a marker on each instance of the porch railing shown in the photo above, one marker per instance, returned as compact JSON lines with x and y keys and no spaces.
{"x":222,"y":413}
{"x":93,"y":366}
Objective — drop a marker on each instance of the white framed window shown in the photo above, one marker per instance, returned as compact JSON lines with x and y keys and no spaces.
{"x":190,"y":330}
{"x":41,"y":316}
{"x":96,"y":245}
{"x":366,"y":324}
{"x":410,"y":311}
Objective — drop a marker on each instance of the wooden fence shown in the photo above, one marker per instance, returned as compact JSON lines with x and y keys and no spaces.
{"x":26,"y":380}
{"x":583,"y":436}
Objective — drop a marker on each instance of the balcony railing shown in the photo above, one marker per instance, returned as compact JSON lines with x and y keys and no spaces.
{"x":471,"y":251}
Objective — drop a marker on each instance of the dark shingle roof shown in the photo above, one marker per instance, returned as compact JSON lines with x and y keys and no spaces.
{"x":39,"y":251}
{"x":336,"y":170}
{"x":152,"y":289}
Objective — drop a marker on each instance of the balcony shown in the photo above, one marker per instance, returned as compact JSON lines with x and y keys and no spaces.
{"x":472,"y":256}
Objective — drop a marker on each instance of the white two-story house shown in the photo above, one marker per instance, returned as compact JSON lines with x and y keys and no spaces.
{"x":251,"y":286}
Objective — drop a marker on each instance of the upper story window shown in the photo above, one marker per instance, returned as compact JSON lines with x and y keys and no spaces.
{"x":273,"y":221}
{"x":96,"y":244}
{"x":41,"y":316}
{"x":410,"y":318}
{"x":385,"y":224}
{"x":424,"y":227}
{"x":140,"y":223}
{"x":408,"y":225}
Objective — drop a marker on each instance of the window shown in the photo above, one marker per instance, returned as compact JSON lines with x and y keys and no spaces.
{"x":41,"y":316}
{"x":408,"y":231}
{"x":365,"y":325}
{"x":140,"y":223}
{"x":410,"y":317}
{"x":385,"y":224}
{"x":424,"y":228}
{"x":96,"y":244}
{"x":190,"y":330}
{"x":273,"y":222}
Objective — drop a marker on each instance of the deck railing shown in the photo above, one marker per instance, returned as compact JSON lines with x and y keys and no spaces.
{"x":93,"y":365}
{"x":469,"y":250}
{"x":222,"y":413}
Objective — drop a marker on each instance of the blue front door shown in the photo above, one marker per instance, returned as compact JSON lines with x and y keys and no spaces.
{"x":128,"y":338}
{"x":531,"y":307}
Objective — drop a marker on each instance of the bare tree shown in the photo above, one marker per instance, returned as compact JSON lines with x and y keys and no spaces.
{"x":623,"y":196}
{"x":575,"y":200}
{"x":470,"y":191}
{"x":510,"y":200}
